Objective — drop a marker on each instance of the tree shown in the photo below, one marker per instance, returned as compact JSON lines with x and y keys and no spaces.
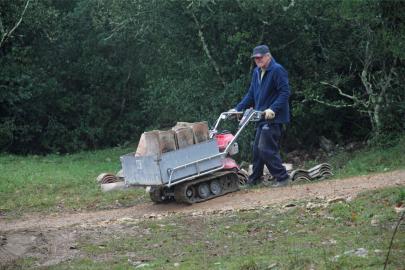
{"x":4,"y":32}
{"x":374,"y":74}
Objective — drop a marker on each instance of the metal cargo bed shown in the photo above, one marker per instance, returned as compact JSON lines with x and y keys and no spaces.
{"x":172,"y":167}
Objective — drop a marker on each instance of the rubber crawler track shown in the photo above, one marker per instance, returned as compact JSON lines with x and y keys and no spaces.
{"x":228,"y":180}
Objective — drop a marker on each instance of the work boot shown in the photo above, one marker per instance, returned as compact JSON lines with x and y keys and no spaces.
{"x":282,"y":183}
{"x":251,"y":183}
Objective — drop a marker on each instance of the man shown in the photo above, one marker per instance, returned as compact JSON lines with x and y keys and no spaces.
{"x":268,"y":92}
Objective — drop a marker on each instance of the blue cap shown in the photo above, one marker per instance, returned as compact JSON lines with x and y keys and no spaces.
{"x":260,"y":50}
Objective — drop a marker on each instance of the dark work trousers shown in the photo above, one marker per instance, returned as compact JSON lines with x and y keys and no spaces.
{"x":266,"y":151}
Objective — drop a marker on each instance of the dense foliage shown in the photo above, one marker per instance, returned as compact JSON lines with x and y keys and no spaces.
{"x":85,"y":74}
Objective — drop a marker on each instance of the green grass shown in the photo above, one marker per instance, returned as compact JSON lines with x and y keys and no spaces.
{"x":297,"y":238}
{"x":60,"y":183}
{"x":371,"y":160}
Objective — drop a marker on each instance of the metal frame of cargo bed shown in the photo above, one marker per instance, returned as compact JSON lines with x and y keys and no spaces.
{"x":172,"y":170}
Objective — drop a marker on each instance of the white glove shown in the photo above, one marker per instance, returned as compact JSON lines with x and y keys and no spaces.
{"x":269,"y":114}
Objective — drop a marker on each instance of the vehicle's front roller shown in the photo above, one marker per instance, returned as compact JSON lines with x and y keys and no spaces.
{"x":157,"y":195}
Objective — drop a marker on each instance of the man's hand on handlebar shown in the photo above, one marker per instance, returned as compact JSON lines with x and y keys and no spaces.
{"x":269,"y":114}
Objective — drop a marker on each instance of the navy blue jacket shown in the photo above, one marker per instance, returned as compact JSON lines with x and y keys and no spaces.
{"x":270,"y":92}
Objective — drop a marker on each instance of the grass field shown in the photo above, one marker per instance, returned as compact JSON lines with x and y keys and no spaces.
{"x":60,"y":183}
{"x":344,"y":235}
{"x":67,"y":183}
{"x":365,"y":161}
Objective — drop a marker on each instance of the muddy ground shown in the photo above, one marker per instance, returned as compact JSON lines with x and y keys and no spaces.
{"x":52,"y":238}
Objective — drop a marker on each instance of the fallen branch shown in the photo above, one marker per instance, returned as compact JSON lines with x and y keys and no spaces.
{"x":392,"y":239}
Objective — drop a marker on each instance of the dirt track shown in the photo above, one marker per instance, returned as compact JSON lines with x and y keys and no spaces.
{"x":327,"y":189}
{"x":52,"y":239}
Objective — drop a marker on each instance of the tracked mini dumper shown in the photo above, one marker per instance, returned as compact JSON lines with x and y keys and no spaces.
{"x":196,"y":173}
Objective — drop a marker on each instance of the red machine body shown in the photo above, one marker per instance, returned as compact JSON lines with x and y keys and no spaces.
{"x":230,"y":163}
{"x":223,"y":139}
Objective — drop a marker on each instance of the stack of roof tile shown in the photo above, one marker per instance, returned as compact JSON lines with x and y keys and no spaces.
{"x":320,"y":171}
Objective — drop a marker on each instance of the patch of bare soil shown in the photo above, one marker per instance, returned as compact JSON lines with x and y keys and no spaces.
{"x":52,"y":239}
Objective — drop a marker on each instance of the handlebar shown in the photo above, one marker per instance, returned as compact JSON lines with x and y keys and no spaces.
{"x":250,"y":115}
